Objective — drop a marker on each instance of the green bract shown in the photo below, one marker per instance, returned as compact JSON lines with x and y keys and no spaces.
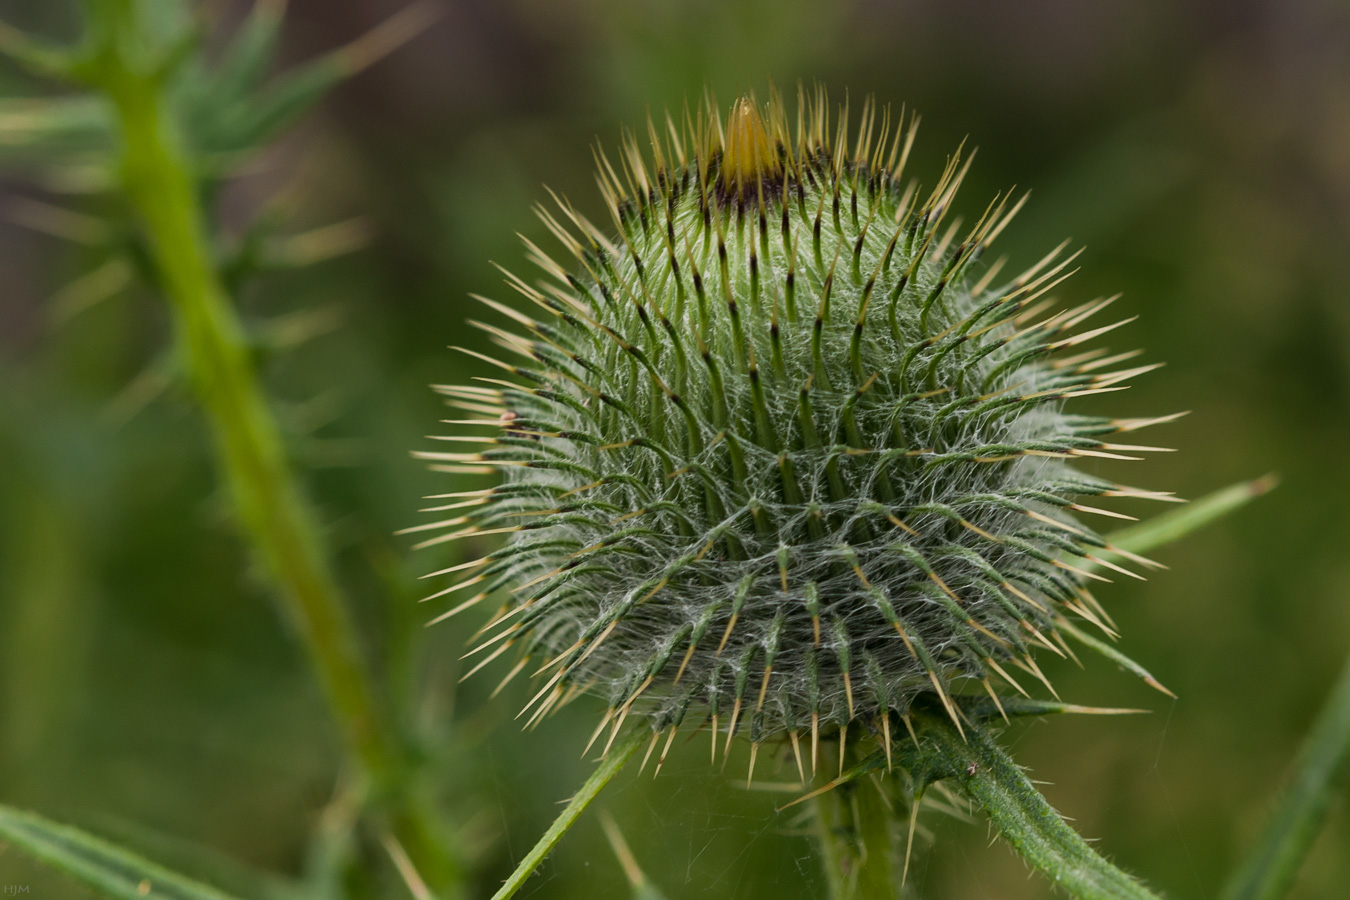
{"x":778,"y":454}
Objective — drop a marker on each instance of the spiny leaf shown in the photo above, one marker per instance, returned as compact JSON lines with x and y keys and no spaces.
{"x":233,"y":122}
{"x":37,"y":56}
{"x":244,"y":63}
{"x":34,"y":131}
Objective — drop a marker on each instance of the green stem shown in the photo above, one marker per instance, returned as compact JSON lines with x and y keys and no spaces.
{"x":158,"y":178}
{"x":1019,"y":812}
{"x":859,"y":836}
{"x":833,"y":847}
{"x":1270,"y":868}
{"x":613,"y":762}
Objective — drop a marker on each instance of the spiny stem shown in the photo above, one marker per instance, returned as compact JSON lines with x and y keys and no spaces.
{"x":1271,"y":866}
{"x":610,"y":766}
{"x":1019,"y":812}
{"x":277,"y":520}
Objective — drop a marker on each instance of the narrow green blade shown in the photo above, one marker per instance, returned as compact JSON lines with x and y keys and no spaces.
{"x":252,"y":50}
{"x":257,"y":119}
{"x":1175,"y":525}
{"x":1114,"y":655}
{"x":986,"y":710}
{"x":107,"y":869}
{"x":1169,"y":527}
{"x":643,"y":889}
{"x":37,"y":131}
{"x":613,"y":762}
{"x":1271,"y":866}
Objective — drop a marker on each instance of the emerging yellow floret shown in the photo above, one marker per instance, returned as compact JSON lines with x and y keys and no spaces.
{"x":749,"y":159}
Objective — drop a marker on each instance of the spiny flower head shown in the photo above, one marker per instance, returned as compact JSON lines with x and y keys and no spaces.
{"x":775,"y":451}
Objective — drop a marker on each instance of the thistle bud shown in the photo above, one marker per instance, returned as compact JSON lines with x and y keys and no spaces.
{"x":778,"y":452}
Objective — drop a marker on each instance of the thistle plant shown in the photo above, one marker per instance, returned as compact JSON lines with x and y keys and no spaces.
{"x":781,"y":457}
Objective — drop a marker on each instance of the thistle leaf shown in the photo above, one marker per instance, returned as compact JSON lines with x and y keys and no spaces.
{"x":244,"y":64}
{"x":236,"y":118}
{"x":36,"y":130}
{"x":37,"y":56}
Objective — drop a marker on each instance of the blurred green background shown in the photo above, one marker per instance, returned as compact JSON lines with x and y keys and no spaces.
{"x":1201,"y":152}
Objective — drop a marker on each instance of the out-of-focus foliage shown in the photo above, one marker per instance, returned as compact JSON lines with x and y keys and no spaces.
{"x":1200,"y":151}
